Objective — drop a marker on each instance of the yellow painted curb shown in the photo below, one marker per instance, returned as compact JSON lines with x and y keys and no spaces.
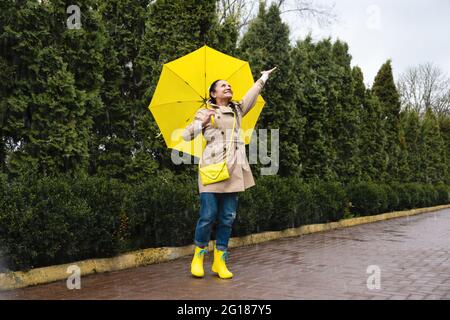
{"x":20,"y":279}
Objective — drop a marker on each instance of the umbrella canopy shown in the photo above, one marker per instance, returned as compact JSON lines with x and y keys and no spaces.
{"x":183,"y":88}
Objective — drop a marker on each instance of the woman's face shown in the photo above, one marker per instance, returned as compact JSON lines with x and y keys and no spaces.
{"x":223,"y":91}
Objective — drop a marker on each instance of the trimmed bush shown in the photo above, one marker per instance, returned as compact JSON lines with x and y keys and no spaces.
{"x":443,"y":194}
{"x":256,"y":208}
{"x":109,"y":232}
{"x":329,"y":202}
{"x":273,"y":204}
{"x":163,"y":212}
{"x":305,"y":200}
{"x":367,"y":198}
{"x":42,"y":222}
{"x":54,"y":220}
{"x":429,"y":196}
{"x":416,"y":195}
{"x":392,"y":198}
{"x":282,"y":196}
{"x":404,"y":197}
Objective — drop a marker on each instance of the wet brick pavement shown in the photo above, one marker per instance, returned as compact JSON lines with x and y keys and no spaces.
{"x":412,"y":254}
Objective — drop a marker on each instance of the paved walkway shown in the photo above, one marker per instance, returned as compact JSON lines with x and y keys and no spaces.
{"x":412,"y":254}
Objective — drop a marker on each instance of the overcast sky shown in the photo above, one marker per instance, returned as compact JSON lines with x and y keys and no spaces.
{"x":409,"y":32}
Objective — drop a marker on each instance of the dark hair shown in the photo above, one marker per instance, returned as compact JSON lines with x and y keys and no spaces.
{"x":212,"y":88}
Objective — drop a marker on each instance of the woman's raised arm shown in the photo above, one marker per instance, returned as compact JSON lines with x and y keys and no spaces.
{"x":249,"y":99}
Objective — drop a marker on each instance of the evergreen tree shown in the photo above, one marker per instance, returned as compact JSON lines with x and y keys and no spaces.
{"x":364,"y":136}
{"x":46,"y":122}
{"x":376,"y":123}
{"x":323,"y":65}
{"x":312,"y":105}
{"x":372,"y":138}
{"x":411,"y":128}
{"x":265,"y":45}
{"x":76,"y":100}
{"x":164,"y":40}
{"x":345,"y":122}
{"x":385,"y":90}
{"x":113,"y":142}
{"x":6,"y":79}
{"x":432,"y":150}
{"x":404,"y":170}
{"x":444,"y":126}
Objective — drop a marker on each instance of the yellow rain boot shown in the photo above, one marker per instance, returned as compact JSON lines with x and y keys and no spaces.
{"x":219,"y":265}
{"x":197,"y":262}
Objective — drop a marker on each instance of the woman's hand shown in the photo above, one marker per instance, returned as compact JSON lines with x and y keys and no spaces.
{"x":266,"y":74}
{"x":207,"y":117}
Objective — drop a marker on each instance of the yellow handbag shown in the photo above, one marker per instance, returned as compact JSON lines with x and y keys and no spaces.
{"x":218,"y":171}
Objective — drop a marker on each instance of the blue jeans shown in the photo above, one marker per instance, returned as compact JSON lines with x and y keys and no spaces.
{"x":213,"y":205}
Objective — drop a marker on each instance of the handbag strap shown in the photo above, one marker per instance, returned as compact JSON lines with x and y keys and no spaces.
{"x":231,"y":140}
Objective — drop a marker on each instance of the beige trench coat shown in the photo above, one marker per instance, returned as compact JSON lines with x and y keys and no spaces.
{"x":217,"y":138}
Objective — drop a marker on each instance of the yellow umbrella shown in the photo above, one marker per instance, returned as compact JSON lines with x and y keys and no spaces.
{"x":183,"y":88}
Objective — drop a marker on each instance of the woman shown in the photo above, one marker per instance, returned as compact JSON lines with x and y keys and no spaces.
{"x":220,"y":198}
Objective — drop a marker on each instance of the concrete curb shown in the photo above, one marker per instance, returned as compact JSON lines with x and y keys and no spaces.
{"x":20,"y":279}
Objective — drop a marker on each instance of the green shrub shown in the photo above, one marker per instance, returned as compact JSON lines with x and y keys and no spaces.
{"x":109,"y":231}
{"x":246,"y":218}
{"x":256,"y":208}
{"x":163,"y":212}
{"x":329,"y":202}
{"x":42,"y":222}
{"x":54,"y":220}
{"x":416,"y":195}
{"x":392,"y":198}
{"x":367,"y":198}
{"x":284,"y":202}
{"x":429,"y":196}
{"x":305,"y":200}
{"x":443,"y":194}
{"x":403,"y":195}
